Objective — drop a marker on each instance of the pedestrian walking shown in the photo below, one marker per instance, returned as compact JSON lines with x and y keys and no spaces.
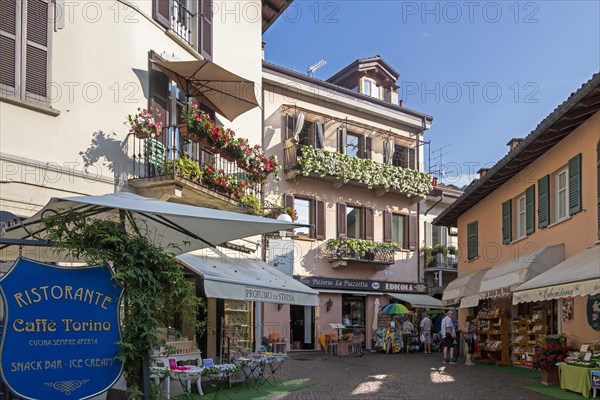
{"x":407,"y":331}
{"x":426,"y":333}
{"x":470,"y":338}
{"x":449,"y":334}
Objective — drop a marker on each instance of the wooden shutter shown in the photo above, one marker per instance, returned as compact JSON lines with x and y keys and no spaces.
{"x":472,"y":240}
{"x":320,"y":219}
{"x":161,"y":12}
{"x":412,"y":232}
{"x":544,"y":201}
{"x":575,"y":184}
{"x":8,"y":44}
{"x":288,"y":127}
{"x":205,"y":34}
{"x":158,"y":96}
{"x":319,"y":134}
{"x":598,"y":183}
{"x":37,"y":49}
{"x":369,"y":223}
{"x":387,"y":227}
{"x":530,"y":209}
{"x":368,"y":148}
{"x":507,"y":221}
{"x":342,"y":140}
{"x":342,"y":229}
{"x":288,"y":202}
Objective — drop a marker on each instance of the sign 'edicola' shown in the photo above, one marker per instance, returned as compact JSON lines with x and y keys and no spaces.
{"x":61,"y":330}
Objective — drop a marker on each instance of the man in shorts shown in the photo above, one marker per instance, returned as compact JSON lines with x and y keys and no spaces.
{"x":449,"y":335}
{"x":426,"y":333}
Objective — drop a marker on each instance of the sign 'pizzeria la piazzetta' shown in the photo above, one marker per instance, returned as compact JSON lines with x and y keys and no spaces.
{"x":61,"y":330}
{"x":362,"y":284}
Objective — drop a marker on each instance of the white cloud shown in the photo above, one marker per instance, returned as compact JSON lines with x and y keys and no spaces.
{"x":425,"y":34}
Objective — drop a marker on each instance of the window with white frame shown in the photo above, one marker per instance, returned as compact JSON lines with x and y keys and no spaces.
{"x":303,"y":210}
{"x":398,"y":229}
{"x":370,"y":88}
{"x":353,"y":222}
{"x":353,"y":145}
{"x":521,"y":217}
{"x":562,"y":194}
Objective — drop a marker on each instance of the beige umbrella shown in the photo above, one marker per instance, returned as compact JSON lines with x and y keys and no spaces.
{"x":220,"y":90}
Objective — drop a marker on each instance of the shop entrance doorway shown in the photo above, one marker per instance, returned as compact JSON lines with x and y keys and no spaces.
{"x":302,"y":331}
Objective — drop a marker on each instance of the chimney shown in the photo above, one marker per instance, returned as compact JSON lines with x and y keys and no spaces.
{"x":513,"y":143}
{"x":263,"y":50}
{"x":482,"y":172}
{"x":401,"y":103}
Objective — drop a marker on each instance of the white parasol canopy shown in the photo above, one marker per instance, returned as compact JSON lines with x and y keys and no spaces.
{"x":165,"y":224}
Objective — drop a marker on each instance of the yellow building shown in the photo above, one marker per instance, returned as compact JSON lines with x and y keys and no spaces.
{"x":530,"y":220}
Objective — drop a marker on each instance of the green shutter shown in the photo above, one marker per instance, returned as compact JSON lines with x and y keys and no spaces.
{"x":507,"y":221}
{"x":472,"y":239}
{"x":544,"y":202}
{"x":530,"y":209}
{"x":156,"y":156}
{"x":575,"y":184}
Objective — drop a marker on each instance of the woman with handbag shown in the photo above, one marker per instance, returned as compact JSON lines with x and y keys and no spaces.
{"x":470,"y":339}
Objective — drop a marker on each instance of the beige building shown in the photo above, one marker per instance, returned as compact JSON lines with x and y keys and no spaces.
{"x":528,"y":232}
{"x":352,"y":167}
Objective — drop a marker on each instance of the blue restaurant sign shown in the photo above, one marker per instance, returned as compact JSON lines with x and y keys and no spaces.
{"x":61,"y":330}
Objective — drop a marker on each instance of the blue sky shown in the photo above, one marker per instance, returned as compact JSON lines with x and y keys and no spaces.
{"x":486,"y":71}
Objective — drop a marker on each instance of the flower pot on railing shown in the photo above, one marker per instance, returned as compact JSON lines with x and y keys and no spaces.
{"x":147,"y":132}
{"x":228,"y":155}
{"x":186,"y":132}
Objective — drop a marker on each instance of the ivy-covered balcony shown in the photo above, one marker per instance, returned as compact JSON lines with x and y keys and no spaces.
{"x":341,"y":169}
{"x":341,"y":252}
{"x":200,"y":163}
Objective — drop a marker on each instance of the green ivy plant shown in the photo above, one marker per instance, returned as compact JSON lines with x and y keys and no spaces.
{"x":184,"y":167}
{"x":428,"y":253}
{"x":253,"y":203}
{"x":155,"y":287}
{"x":359,"y":247}
{"x":346,"y":168}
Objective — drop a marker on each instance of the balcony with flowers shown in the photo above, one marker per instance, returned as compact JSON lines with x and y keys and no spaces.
{"x":342,"y":169}
{"x":197,"y":162}
{"x":341,"y":252}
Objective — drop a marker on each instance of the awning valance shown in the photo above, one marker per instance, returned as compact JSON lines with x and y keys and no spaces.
{"x":576,"y":276}
{"x":417,"y":300}
{"x":246,"y":278}
{"x":501,"y":279}
{"x":466,"y":285}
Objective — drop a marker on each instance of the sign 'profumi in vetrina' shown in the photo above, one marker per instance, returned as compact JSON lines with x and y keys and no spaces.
{"x":61,"y":330}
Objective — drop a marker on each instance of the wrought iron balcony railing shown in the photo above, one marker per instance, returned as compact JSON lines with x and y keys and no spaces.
{"x":357,"y":250}
{"x":441,"y":262}
{"x":172,"y":154}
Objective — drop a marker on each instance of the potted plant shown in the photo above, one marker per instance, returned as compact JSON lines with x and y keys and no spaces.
{"x":184,"y":167}
{"x":555,"y":339}
{"x":545,"y":360}
{"x":253,"y":203}
{"x":145,"y":123}
{"x":428,"y":254}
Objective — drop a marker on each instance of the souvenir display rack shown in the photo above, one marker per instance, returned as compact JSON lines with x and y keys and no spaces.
{"x":237,"y":326}
{"x":492,"y":331}
{"x":528,"y":334}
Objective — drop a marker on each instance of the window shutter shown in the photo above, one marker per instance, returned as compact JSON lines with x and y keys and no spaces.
{"x":472,"y":240}
{"x":342,"y":140}
{"x":368,"y":148}
{"x":320,"y":219}
{"x":158,"y":96}
{"x":369,"y":223}
{"x":8,"y":44}
{"x":37,"y":54}
{"x":320,"y":134}
{"x":387,"y":227}
{"x":507,"y":221}
{"x":544,"y":201}
{"x":161,"y":12}
{"x":575,"y":184}
{"x":288,"y":201}
{"x":530,"y":209}
{"x":288,"y":128}
{"x":205,"y":38}
{"x":342,"y":230}
{"x":412,"y":232}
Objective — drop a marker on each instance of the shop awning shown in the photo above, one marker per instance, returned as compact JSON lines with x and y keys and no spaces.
{"x":417,"y":300}
{"x":501,"y":279}
{"x":246,"y":278}
{"x":464,"y":286}
{"x":576,"y":276}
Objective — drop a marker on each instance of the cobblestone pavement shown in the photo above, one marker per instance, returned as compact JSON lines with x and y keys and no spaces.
{"x":399,"y":376}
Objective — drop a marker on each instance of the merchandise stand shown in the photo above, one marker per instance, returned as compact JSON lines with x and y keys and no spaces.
{"x":492,"y":331}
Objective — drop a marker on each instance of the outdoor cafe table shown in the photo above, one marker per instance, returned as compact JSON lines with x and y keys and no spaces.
{"x":261,"y":367}
{"x":576,"y":378}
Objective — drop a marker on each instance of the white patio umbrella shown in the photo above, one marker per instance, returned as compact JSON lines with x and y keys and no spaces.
{"x":165,"y":224}
{"x":376,"y":314}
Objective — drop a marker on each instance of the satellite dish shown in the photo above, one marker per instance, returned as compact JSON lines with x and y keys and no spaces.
{"x":298,"y":127}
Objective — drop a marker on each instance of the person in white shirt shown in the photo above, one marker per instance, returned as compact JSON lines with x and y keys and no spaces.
{"x":449,"y":335}
{"x":407,"y":329}
{"x":426,"y":333}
